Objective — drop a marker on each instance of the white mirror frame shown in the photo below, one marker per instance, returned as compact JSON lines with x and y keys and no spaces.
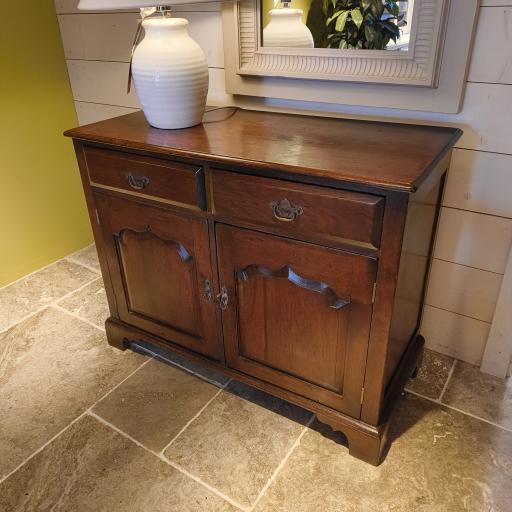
{"x":430,"y":76}
{"x":417,"y":66}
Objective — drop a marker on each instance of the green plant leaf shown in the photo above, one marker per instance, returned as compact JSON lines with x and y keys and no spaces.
{"x":377,"y":8}
{"x":357,"y":16}
{"x":341,"y":21}
{"x":391,"y":27}
{"x":369,"y":33}
{"x":325,"y":7}
{"x":365,"y":4}
{"x":333,"y":17}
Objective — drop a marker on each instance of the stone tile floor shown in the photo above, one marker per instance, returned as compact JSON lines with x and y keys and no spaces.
{"x":84,"y":427}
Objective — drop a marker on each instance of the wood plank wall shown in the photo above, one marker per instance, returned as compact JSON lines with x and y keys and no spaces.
{"x":475,"y":232}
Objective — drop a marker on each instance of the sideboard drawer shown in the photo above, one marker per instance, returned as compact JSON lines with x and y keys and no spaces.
{"x":157,"y":178}
{"x":298,"y":208}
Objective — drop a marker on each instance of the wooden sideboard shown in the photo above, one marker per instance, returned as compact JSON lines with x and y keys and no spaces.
{"x":290,"y":252}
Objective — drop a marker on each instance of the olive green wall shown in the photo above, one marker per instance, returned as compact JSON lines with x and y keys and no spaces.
{"x":42,"y":209}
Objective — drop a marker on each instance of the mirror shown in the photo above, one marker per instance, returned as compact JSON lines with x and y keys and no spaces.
{"x":337,"y":24}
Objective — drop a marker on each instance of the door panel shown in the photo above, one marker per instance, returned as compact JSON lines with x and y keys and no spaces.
{"x":161,"y":272}
{"x":176,"y":305}
{"x":299,"y":314}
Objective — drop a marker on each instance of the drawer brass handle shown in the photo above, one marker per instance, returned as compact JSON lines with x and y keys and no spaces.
{"x":208,"y":292}
{"x":137,"y":182}
{"x":286,"y":211}
{"x":223,"y":299}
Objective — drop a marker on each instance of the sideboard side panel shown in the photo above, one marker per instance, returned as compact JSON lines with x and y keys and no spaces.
{"x":96,"y":229}
{"x":392,"y":235}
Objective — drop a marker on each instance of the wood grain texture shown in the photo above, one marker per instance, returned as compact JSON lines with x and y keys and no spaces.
{"x":473,"y":239}
{"x":114,"y":32}
{"x":289,"y":335}
{"x":334,"y":213}
{"x":88,"y":113}
{"x":159,"y":263}
{"x":480,"y":182}
{"x":310,"y":318}
{"x":105,"y":82}
{"x":498,"y":350}
{"x":328,"y":148}
{"x":175,"y":182}
{"x":455,"y":335}
{"x":464,"y":290}
{"x":492,"y":34}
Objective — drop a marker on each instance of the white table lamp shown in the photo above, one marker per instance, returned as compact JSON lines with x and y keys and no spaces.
{"x":169,"y":68}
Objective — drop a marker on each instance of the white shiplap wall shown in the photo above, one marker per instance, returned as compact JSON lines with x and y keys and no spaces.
{"x":475,"y":232}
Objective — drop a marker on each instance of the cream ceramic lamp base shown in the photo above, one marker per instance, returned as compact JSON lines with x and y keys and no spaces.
{"x":286,"y":29}
{"x":170,"y":74}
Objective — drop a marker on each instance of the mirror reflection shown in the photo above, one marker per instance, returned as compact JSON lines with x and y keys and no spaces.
{"x":337,"y":24}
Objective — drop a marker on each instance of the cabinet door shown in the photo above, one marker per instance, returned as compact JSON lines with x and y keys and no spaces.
{"x":297,"y":315}
{"x":161,"y":272}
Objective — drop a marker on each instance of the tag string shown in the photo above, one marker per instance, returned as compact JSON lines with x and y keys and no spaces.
{"x":135,"y":43}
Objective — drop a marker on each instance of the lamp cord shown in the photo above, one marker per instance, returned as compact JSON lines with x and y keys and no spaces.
{"x":232,"y":113}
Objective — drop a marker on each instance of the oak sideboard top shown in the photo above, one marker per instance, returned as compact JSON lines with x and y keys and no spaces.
{"x":391,"y":155}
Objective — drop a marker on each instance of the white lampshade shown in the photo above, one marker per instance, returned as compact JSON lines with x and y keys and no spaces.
{"x":113,"y":5}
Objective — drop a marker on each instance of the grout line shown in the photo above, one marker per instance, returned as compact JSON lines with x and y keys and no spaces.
{"x":53,"y":303}
{"x":162,"y":451}
{"x":204,"y":484}
{"x":88,"y":267}
{"x":436,"y":401}
{"x":30,"y":274}
{"x":167,"y":461}
{"x":74,"y":315}
{"x":70,"y":257}
{"x":188,"y":370}
{"x":282,"y":463}
{"x":43,"y":268}
{"x":41,"y":448}
{"x":118,"y":384}
{"x":80,"y":416}
{"x":80,"y":250}
{"x":69,"y":294}
{"x":450,"y":373}
{"x":26,"y":317}
{"x":47,"y":266}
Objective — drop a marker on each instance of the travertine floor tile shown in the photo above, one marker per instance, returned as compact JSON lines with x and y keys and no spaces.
{"x":89,"y":303}
{"x":480,"y":394}
{"x":155,"y":403}
{"x":433,"y":374}
{"x":87,"y":257}
{"x":443,"y":461}
{"x":52,"y":367}
{"x":40,"y":289}
{"x":238,"y":441}
{"x":91,"y":468}
{"x":197,"y":368}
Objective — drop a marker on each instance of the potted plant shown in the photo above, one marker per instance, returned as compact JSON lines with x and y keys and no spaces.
{"x":361,"y":24}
